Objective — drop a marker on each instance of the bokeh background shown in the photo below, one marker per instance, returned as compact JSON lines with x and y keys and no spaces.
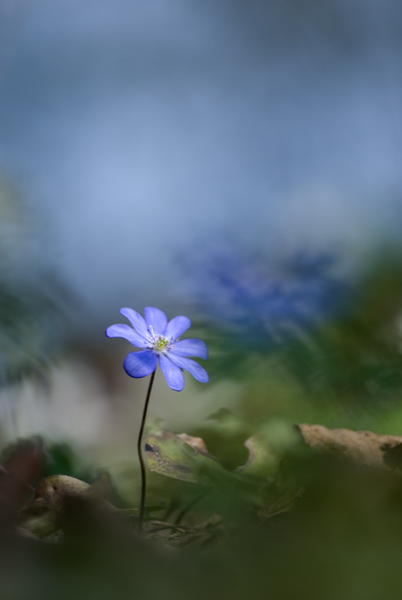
{"x":238,"y":162}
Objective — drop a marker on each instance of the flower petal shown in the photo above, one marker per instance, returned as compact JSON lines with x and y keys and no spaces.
{"x":190,"y":347}
{"x":198,"y":372}
{"x":173,"y":375}
{"x":126,"y":332}
{"x":176,"y":327}
{"x":140,"y":364}
{"x":156,"y":319}
{"x":136,"y":321}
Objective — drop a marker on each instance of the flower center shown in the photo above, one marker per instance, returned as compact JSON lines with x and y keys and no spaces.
{"x":160,"y":343}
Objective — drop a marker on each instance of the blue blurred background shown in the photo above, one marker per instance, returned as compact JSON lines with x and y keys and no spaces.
{"x":137,"y":129}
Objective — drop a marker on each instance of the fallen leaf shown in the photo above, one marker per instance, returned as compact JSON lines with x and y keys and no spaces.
{"x":363,"y":447}
{"x":181,"y":457}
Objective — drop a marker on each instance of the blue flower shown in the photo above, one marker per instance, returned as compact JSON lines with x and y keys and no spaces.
{"x":160,"y":341}
{"x":266,"y":305}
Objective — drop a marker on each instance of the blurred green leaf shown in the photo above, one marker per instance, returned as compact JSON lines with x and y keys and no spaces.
{"x":262,"y":460}
{"x":181,"y":457}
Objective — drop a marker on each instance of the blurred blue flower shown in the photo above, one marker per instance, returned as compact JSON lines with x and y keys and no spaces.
{"x":262,"y":304}
{"x":161,"y":343}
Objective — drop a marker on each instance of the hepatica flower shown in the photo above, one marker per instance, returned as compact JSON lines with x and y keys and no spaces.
{"x":159,"y":340}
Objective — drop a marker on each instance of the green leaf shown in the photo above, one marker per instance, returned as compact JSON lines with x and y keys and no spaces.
{"x":267,"y":447}
{"x":262,"y":461}
{"x":181,"y":457}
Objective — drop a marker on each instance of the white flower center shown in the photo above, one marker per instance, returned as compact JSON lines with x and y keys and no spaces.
{"x":159,"y":343}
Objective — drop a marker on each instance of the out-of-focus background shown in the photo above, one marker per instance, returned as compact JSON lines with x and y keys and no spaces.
{"x":237,"y":162}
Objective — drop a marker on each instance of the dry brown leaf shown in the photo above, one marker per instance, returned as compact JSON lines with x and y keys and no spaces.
{"x":363,"y":447}
{"x":195,"y":442}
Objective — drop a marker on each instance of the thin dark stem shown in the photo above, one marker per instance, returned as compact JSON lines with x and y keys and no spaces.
{"x":141,"y":458}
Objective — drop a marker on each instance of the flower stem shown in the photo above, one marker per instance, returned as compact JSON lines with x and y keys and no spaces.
{"x":141,"y":458}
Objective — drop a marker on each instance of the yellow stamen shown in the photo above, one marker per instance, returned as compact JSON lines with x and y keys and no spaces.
{"x":161,"y":343}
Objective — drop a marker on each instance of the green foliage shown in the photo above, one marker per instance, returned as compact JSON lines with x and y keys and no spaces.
{"x":345,"y":371}
{"x":237,"y":507}
{"x":181,"y":457}
{"x":33,"y":316}
{"x":32,"y":329}
{"x":322,"y":528}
